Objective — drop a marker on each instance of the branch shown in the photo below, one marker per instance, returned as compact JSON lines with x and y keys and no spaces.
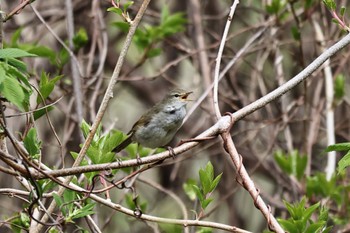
{"x":74,"y":67}
{"x":218,"y":59}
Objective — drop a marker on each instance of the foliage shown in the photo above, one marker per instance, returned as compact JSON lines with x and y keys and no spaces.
{"x":301,"y":218}
{"x":207,"y":186}
{"x":345,"y":161}
{"x":101,"y":148}
{"x":14,"y":85}
{"x":70,"y":210}
{"x":146,"y":39}
{"x":293,"y":164}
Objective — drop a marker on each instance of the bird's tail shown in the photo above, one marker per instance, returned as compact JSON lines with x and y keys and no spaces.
{"x":122,"y":145}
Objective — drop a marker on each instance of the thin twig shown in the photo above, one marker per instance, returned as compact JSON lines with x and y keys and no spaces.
{"x":77,"y":93}
{"x":54,"y":34}
{"x":218,"y":59}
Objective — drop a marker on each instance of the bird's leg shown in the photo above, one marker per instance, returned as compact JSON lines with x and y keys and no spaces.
{"x":138,"y":159}
{"x":171,"y":151}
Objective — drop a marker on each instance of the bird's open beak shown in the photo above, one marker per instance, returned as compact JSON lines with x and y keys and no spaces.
{"x":185,"y":95}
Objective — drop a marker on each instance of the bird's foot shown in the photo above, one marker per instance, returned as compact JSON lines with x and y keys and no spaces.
{"x":171,"y":152}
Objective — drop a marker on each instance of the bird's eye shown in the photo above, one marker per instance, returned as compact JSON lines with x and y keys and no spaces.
{"x":177,"y":95}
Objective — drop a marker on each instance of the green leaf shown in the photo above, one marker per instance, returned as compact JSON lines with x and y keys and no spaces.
{"x":300,"y":166}
{"x":46,"y":86}
{"x":295,"y":33}
{"x":154,"y":52}
{"x":206,"y":202}
{"x":288,"y":226}
{"x":80,"y":39}
{"x":62,"y":58}
{"x":173,"y":24}
{"x":25,"y":219}
{"x":95,"y":154}
{"x":17,"y":65}
{"x":344,"y":162}
{"x":15,"y":37}
{"x":39,"y":113}
{"x":75,"y":156}
{"x":32,"y":144}
{"x":165,"y":13}
{"x":315,"y":227}
{"x":129,"y":201}
{"x":85,"y":128}
{"x":127,"y":5}
{"x":308,"y":212}
{"x":123,"y":26}
{"x":112,"y":140}
{"x":308,"y":4}
{"x":205,"y":181}
{"x":215,"y":182}
{"x":330,"y":4}
{"x":188,"y":188}
{"x":210,"y":171}
{"x":3,"y":71}
{"x":14,"y":53}
{"x":342,"y":11}
{"x":323,"y":216}
{"x":117,"y":11}
{"x":43,"y":51}
{"x":198,"y":193}
{"x":14,"y":92}
{"x":339,"y":87}
{"x":338,"y":147}
{"x":283,"y":162}
{"x":275,"y":7}
{"x":59,"y":203}
{"x":85,"y":211}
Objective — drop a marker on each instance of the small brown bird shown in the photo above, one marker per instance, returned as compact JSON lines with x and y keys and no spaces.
{"x":158,"y":125}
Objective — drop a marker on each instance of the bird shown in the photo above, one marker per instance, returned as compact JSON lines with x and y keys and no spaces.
{"x":158,"y":126}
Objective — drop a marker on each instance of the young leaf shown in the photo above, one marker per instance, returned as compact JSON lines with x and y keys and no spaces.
{"x":59,"y":203}
{"x":205,"y":181}
{"x":85,"y":128}
{"x":80,"y":38}
{"x":127,"y":5}
{"x":14,"y":53}
{"x":215,"y":182}
{"x":118,"y":11}
{"x":39,"y":113}
{"x":288,"y":226}
{"x":342,"y":11}
{"x":338,"y":147}
{"x":31,"y":143}
{"x":344,"y":162}
{"x":85,"y":211}
{"x":308,"y":212}
{"x":14,"y":92}
{"x":330,"y":4}
{"x":339,"y":87}
{"x":46,"y":86}
{"x":206,"y":202}
{"x":198,"y":193}
{"x":189,"y":190}
{"x":283,"y":162}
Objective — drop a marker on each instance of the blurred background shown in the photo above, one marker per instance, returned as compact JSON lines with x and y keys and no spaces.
{"x":176,"y":45}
